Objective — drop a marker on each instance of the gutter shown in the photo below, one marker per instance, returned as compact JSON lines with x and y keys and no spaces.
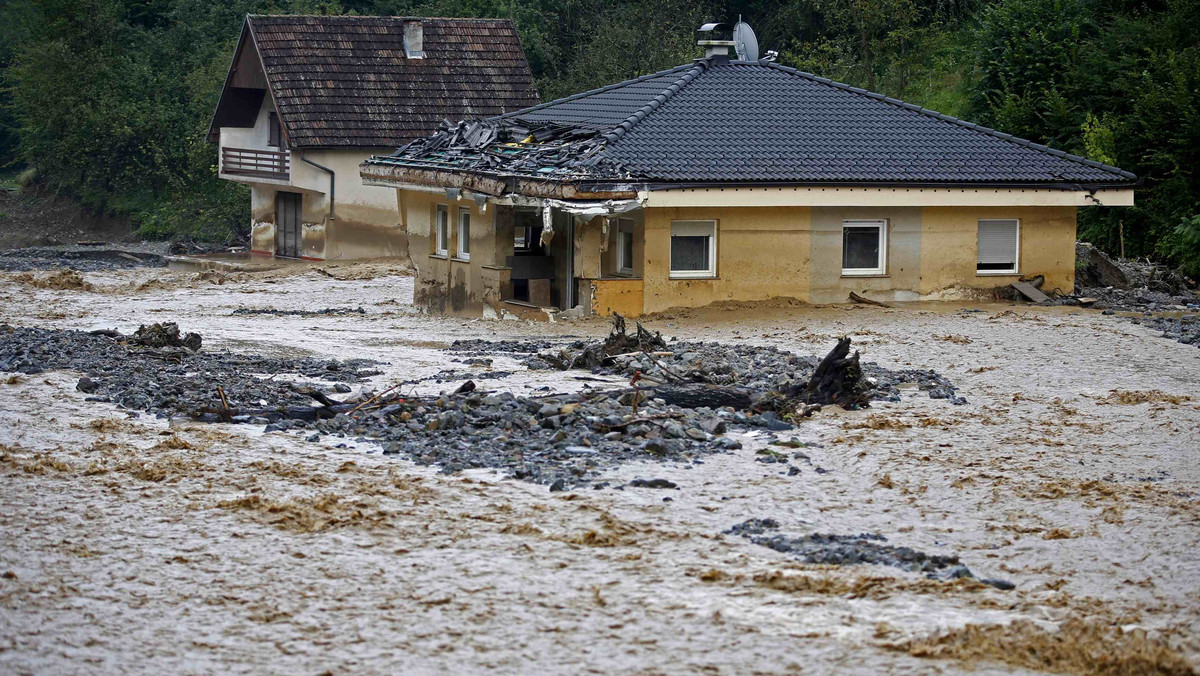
{"x":332,"y":181}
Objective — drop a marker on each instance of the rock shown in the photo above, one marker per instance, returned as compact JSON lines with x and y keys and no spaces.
{"x":342,"y":388}
{"x":674,"y":431}
{"x":87,"y":385}
{"x":1004,"y":585}
{"x":713,"y":426}
{"x":655,"y":446}
{"x":1094,"y":268}
{"x":558,"y":486}
{"x":698,"y":435}
{"x":728,"y":443}
{"x":653,"y":483}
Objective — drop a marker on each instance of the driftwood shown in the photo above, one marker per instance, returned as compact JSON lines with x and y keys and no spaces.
{"x":866,"y":301}
{"x":618,"y":342}
{"x":698,"y":395}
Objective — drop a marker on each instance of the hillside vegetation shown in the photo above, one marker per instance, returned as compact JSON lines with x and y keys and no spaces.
{"x":109,"y":100}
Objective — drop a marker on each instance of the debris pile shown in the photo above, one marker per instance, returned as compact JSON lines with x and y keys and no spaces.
{"x":844,"y":550}
{"x":165,"y":335}
{"x":742,"y":376}
{"x":561,"y":440}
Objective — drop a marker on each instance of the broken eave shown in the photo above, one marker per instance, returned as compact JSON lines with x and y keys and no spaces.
{"x":393,"y":175}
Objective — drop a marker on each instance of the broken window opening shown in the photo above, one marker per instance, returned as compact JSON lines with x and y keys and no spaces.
{"x":998,"y":246}
{"x":442,"y":234}
{"x":864,"y":247}
{"x":624,"y":246}
{"x":693,"y":249}
{"x":463,"y":251}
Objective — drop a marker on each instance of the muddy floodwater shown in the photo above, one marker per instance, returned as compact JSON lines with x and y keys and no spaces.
{"x":132,"y":544}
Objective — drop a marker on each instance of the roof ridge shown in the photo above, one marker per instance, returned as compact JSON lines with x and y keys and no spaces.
{"x":947,"y":118}
{"x":592,"y":92}
{"x":699,"y":67}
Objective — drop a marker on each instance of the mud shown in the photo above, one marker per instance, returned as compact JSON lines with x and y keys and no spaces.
{"x":159,"y":545}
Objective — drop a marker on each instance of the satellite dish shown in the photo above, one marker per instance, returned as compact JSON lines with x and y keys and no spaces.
{"x":745,"y":43}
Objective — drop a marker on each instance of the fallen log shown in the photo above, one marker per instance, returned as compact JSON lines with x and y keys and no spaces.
{"x":699,"y":395}
{"x":866,"y":301}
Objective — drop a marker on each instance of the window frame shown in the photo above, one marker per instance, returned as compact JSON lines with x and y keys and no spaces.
{"x":1016,"y":268}
{"x":695,"y":224}
{"x":441,"y":247}
{"x":879,"y":270}
{"x":624,"y":228}
{"x":461,"y":253}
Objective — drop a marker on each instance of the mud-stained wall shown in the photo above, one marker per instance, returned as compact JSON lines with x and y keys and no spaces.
{"x":449,"y":284}
{"x":761,"y":253}
{"x":949,"y":238}
{"x":366,"y":222}
{"x":902,"y":272}
{"x":611,"y":295}
{"x":609,"y":258}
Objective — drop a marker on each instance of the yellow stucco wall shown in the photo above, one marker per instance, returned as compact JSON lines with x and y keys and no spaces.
{"x":623,"y":296}
{"x":761,"y":253}
{"x":949,"y":241}
{"x":443,"y":283}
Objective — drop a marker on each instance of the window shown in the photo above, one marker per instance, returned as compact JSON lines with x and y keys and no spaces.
{"x":625,"y":246}
{"x":275,"y":138}
{"x":442,"y":234}
{"x":464,"y":235}
{"x":693,"y":249}
{"x":998,"y":245}
{"x":864,"y":247}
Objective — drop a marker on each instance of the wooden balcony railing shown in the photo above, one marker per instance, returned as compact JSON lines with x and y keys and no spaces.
{"x":260,"y":163}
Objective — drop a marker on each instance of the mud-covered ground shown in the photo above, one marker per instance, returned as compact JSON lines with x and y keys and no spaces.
{"x":137,"y":544}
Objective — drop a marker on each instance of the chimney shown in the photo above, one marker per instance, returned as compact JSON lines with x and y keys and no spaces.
{"x":414,"y":39}
{"x":715,"y":47}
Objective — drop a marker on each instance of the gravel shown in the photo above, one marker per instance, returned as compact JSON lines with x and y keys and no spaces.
{"x":564,"y":441}
{"x":83,"y":259}
{"x":865,"y":548}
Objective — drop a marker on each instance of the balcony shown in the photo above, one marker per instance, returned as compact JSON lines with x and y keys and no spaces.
{"x":256,"y":163}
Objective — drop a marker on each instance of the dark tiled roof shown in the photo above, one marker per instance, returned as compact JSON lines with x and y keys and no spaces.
{"x":344,"y":81}
{"x":720,"y":121}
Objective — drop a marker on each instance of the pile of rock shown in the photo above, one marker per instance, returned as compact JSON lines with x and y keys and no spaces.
{"x":1161,"y":295}
{"x":165,"y":382}
{"x":865,"y":548}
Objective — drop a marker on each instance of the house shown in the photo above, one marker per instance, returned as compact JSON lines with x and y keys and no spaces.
{"x":731,"y":180}
{"x":308,"y":98}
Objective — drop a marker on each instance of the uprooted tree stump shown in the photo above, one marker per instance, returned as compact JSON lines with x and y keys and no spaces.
{"x":838,"y":379}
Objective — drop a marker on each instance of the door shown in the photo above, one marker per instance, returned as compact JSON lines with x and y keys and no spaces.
{"x":288,"y":207}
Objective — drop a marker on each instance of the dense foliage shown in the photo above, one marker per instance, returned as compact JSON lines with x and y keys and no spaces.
{"x":109,"y":99}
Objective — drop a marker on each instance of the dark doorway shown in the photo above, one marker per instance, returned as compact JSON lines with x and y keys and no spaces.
{"x":288,"y":206}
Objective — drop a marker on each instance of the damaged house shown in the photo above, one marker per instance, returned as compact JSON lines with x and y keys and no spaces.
{"x":730,"y":178}
{"x":308,"y":98}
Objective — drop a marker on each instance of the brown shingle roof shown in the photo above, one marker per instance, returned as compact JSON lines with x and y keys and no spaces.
{"x":344,"y":81}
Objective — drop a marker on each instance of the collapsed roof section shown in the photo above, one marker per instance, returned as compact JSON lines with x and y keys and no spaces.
{"x":728,"y":123}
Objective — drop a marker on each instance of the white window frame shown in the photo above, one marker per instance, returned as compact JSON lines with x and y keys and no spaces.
{"x":624,"y":228}
{"x":696,"y":228}
{"x":440,"y":245}
{"x":881,"y":268}
{"x":1016,"y":255}
{"x":464,"y":235}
